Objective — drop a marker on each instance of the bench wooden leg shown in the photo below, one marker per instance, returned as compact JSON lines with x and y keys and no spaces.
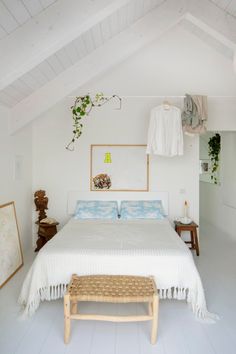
{"x":66,"y":318}
{"x":155,"y":306}
{"x":74,"y":307}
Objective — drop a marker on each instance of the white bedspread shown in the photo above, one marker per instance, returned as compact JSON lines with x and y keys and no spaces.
{"x":140,"y":247}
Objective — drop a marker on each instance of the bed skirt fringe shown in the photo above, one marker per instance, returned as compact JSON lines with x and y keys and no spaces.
{"x":57,"y":291}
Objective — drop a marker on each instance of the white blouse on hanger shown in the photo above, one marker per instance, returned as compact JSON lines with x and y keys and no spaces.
{"x":165,"y":134}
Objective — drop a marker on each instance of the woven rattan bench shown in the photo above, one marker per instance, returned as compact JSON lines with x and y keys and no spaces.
{"x":114,"y":289}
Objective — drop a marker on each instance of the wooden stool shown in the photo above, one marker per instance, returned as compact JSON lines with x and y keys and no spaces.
{"x":114,"y":289}
{"x":192,"y":228}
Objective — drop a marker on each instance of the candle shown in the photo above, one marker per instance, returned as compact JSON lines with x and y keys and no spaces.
{"x":185,"y":209}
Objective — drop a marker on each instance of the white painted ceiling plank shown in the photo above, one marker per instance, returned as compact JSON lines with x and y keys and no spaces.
{"x":138,"y":9}
{"x":223,"y":3}
{"x":55,"y":64}
{"x":6,"y":99}
{"x":38,"y":76}
{"x":17,"y":10}
{"x":146,"y":6}
{"x":114,"y":24}
{"x":63,"y":58}
{"x":7,"y":21}
{"x":14,"y":93}
{"x":80,"y":46}
{"x":155,"y":3}
{"x":30,"y":81}
{"x":22,"y":87}
{"x":214,"y":20}
{"x":231,"y":8}
{"x":25,"y":84}
{"x":46,"y":3}
{"x":106,"y":30}
{"x":33,"y":6}
{"x":47,"y":70}
{"x":88,"y":41}
{"x":3,"y":33}
{"x":123,"y":18}
{"x":131,"y":11}
{"x":72,"y":52}
{"x":97,"y":36}
{"x":208,"y":39}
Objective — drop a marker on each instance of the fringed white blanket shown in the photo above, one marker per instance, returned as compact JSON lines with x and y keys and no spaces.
{"x":140,"y":247}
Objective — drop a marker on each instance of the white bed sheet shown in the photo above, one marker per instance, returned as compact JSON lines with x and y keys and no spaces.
{"x":135,"y":247}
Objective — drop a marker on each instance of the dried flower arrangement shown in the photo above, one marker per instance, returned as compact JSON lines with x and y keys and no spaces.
{"x":102,"y":181}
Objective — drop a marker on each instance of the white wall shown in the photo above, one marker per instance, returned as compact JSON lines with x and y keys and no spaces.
{"x":59,"y":171}
{"x":17,"y":189}
{"x":176,"y":64}
{"x":214,"y":206}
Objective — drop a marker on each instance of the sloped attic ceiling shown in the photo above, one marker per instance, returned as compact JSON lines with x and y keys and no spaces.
{"x":14,"y":14}
{"x":102,"y":25}
{"x":49,"y":48}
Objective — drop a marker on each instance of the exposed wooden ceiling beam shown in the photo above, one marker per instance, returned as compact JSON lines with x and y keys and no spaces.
{"x":48,"y":32}
{"x":213,"y":20}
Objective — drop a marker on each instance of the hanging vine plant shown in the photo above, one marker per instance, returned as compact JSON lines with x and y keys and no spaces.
{"x":81,"y":108}
{"x":214,"y":146}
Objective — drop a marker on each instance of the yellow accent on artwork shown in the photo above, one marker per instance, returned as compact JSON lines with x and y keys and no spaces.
{"x":107,"y":158}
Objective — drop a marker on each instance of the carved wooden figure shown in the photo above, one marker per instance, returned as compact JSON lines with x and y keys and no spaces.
{"x":45,"y":230}
{"x":41,"y":202}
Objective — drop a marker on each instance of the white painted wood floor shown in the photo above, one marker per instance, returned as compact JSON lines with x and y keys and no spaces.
{"x":179,"y":331}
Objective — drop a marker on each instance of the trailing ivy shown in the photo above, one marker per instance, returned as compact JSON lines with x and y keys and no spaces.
{"x":214,"y":147}
{"x":82,"y":107}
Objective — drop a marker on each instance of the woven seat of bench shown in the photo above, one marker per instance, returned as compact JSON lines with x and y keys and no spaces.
{"x":111,"y":288}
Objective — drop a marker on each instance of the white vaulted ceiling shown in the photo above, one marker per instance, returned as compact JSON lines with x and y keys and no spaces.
{"x":229,"y":6}
{"x":49,"y":48}
{"x":75,"y":50}
{"x":15,"y":13}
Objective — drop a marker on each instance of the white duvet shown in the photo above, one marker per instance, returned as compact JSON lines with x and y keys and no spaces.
{"x":137,"y":247}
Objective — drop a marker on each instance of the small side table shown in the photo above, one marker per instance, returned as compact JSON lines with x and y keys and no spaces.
{"x":192,"y":228}
{"x":45,"y":233}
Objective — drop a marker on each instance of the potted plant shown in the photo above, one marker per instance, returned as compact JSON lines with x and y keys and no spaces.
{"x":214,"y":147}
{"x":82,"y":107}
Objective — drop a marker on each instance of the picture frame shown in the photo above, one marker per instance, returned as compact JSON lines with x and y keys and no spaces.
{"x":11,"y":257}
{"x":205,"y":166}
{"x":119,"y":167}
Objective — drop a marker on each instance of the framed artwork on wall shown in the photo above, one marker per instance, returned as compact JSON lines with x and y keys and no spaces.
{"x":205,"y":166}
{"x":119,"y":168}
{"x":11,"y":258}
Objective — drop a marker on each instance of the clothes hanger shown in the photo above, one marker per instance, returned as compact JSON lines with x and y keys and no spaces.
{"x":166,"y":104}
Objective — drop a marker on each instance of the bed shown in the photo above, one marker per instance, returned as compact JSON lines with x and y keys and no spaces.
{"x":129,"y":247}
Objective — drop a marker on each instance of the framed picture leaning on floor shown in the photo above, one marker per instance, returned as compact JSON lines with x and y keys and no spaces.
{"x":11,"y":258}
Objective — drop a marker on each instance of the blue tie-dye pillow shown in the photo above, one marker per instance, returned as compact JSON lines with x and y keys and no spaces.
{"x":96,"y":209}
{"x":142,"y":209}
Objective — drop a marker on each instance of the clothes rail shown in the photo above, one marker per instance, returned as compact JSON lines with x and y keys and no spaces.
{"x":146,"y":96}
